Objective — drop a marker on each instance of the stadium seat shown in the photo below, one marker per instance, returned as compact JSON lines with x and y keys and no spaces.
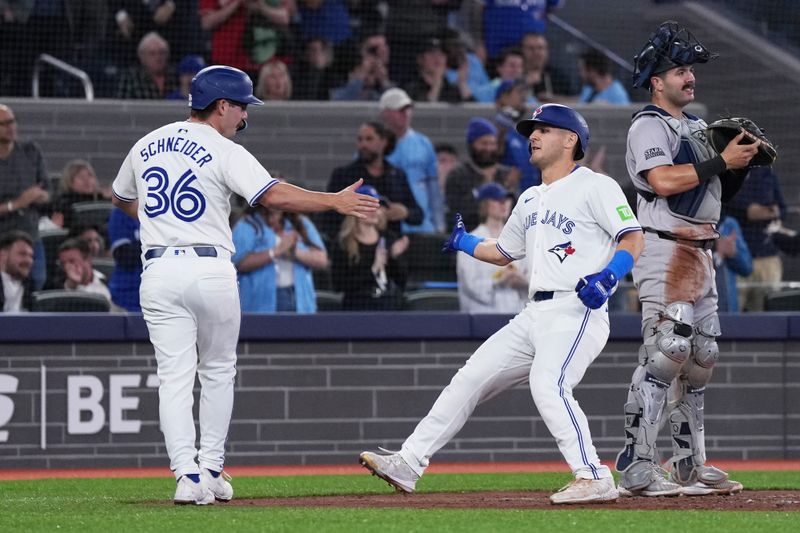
{"x":427,"y":262}
{"x":92,"y":214}
{"x":62,"y":301}
{"x":786,"y":300}
{"x":431,"y":300}
{"x":51,"y":240}
{"x":329,"y":301}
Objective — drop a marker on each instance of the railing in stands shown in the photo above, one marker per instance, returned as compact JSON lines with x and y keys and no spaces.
{"x":579,"y":35}
{"x":88,"y":88}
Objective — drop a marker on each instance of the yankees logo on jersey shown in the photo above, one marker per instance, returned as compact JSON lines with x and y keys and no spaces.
{"x":588,"y":207}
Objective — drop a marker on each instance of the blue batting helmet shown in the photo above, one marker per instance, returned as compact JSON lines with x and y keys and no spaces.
{"x":220,"y":82}
{"x":670,"y":46}
{"x":559,"y":116}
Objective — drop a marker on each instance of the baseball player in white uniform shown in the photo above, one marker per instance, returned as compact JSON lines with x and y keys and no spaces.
{"x":580,"y":237}
{"x":177,"y":180}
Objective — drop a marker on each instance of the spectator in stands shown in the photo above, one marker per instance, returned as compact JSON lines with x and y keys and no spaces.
{"x":16,"y":260}
{"x":276,"y":253}
{"x":502,"y":24}
{"x":600,"y":86}
{"x":410,"y":22}
{"x":369,"y":78}
{"x":446,"y":160}
{"x":24,"y":189}
{"x":126,"y":248}
{"x":153,"y":78}
{"x":75,"y":258}
{"x":325,"y":19}
{"x":462,"y":62}
{"x":482,"y":167}
{"x":15,"y":48}
{"x":486,"y":288}
{"x":91,"y":234}
{"x":758,"y":204}
{"x":133,"y":19}
{"x":547,"y":82}
{"x":367,"y":262}
{"x":373,"y":142}
{"x":78,"y":184}
{"x":511,"y":104}
{"x":246,"y":33}
{"x":430,"y":84}
{"x":731,"y":259}
{"x":274,"y":82}
{"x":313,"y":74}
{"x":509,"y":68}
{"x":414,"y":154}
{"x":187,"y":68}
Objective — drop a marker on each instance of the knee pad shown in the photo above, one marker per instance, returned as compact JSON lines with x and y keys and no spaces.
{"x":670,"y":347}
{"x":705,"y":352}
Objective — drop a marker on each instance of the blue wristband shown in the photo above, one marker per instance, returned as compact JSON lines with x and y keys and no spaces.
{"x":620,"y":264}
{"x":468,"y":242}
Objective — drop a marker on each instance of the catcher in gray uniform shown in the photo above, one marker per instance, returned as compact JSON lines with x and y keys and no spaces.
{"x":681,"y":183}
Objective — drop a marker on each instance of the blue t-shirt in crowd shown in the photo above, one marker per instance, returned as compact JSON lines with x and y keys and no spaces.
{"x":331,"y":21}
{"x":414,"y":154}
{"x":258,"y":288}
{"x":476,"y":76}
{"x":506,"y":21}
{"x":613,"y":94}
{"x":125,"y":281}
{"x":727,"y":269}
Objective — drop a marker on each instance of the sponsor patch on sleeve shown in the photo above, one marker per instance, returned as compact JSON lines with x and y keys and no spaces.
{"x":650,"y":153}
{"x":624,"y":212}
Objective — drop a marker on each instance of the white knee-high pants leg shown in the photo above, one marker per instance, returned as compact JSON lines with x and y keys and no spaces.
{"x":190,"y":303}
{"x":501,"y":362}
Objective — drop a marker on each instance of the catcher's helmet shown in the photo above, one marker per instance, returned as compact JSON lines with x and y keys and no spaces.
{"x":220,"y":82}
{"x":559,"y":116}
{"x":670,"y":46}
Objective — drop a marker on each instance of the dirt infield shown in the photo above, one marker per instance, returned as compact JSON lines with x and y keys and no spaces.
{"x":762,"y":500}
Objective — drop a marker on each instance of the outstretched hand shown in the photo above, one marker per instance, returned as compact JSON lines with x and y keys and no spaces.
{"x":349,"y":202}
{"x":594,"y":289}
{"x":459,"y":230}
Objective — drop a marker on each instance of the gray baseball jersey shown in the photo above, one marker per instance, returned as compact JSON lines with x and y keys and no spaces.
{"x":656,"y":139}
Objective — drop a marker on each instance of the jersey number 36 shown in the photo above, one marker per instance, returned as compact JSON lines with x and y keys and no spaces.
{"x":186,"y":202}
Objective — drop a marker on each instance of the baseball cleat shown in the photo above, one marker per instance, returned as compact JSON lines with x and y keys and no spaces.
{"x":657,"y":484}
{"x":219,"y":485}
{"x":190,"y":493}
{"x":392,"y":469}
{"x":586,"y":491}
{"x":705,"y":480}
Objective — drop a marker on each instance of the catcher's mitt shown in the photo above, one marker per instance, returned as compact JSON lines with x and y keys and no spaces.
{"x":721,"y":132}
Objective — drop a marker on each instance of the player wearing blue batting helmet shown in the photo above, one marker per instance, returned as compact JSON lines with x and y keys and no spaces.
{"x":220,"y":82}
{"x":559,"y":116}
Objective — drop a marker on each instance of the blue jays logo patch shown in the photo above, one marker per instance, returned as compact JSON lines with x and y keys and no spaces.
{"x":562,"y":251}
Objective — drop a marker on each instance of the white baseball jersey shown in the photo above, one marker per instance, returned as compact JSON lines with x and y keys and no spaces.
{"x":183,"y":175}
{"x":567,"y":229}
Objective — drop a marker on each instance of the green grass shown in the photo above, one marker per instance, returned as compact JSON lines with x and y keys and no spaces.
{"x":105,"y":505}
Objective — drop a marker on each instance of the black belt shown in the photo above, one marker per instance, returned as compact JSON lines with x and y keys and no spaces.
{"x":705,"y":244}
{"x":201,"y":251}
{"x":540,"y":296}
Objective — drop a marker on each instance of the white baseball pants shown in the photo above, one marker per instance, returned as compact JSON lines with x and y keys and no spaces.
{"x":550,"y":344}
{"x":191,"y":306}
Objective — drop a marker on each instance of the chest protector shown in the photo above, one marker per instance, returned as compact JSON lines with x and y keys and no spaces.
{"x":702,"y":203}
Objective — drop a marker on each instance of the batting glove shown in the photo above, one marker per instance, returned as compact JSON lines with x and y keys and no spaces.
{"x":594,"y":289}
{"x":460,"y":240}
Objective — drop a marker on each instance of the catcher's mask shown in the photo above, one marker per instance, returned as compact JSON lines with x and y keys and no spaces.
{"x":670,"y":46}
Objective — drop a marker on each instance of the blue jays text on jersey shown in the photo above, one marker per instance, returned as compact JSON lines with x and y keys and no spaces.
{"x":554,"y":219}
{"x":176,"y":144}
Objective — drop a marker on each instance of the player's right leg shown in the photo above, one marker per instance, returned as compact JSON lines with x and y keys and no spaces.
{"x":214,"y":300}
{"x":501,"y":362}
{"x":667,"y":346}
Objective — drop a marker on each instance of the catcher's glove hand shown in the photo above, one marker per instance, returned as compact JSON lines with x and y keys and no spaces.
{"x":721,"y":132}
